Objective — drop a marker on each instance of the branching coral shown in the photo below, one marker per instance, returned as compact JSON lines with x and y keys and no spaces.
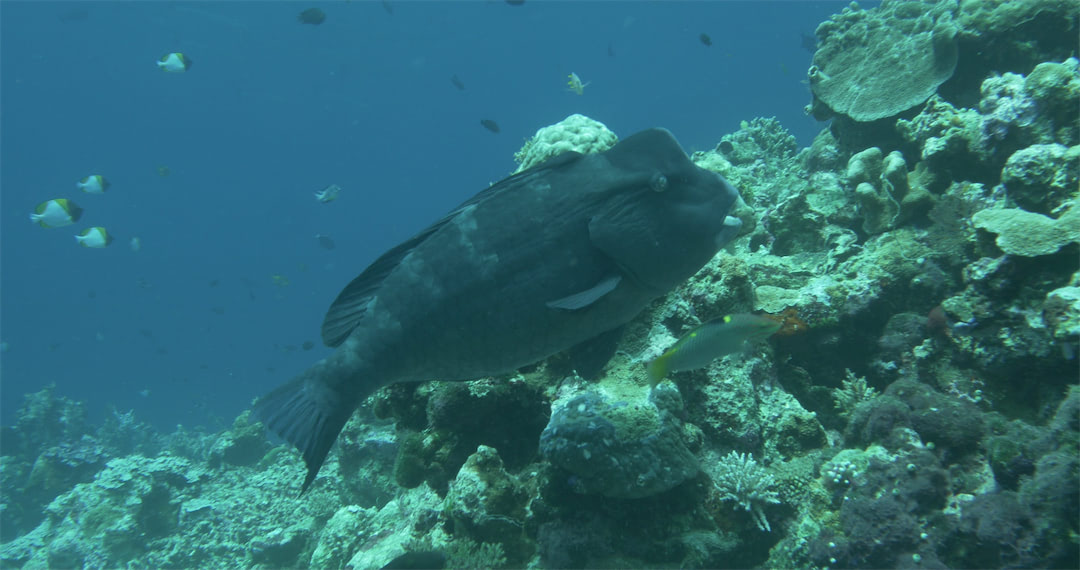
{"x":853,"y":391}
{"x":739,"y":478}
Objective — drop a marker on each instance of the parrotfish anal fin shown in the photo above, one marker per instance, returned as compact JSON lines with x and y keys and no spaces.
{"x":308,"y":414}
{"x":348,"y":309}
{"x":589,"y":358}
{"x":587,"y":297}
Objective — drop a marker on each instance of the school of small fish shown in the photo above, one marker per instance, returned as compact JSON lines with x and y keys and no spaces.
{"x":62,"y":212}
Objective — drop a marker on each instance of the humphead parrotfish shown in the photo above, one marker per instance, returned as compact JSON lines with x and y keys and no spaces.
{"x":536,"y":264}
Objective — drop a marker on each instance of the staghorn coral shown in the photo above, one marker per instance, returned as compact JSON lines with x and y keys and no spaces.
{"x":740,"y":479}
{"x":852,"y":392}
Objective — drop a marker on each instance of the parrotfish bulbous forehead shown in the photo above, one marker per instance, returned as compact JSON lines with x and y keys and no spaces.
{"x":665,"y":234}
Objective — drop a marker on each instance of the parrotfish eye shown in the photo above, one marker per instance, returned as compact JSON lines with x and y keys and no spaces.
{"x":658,"y":183}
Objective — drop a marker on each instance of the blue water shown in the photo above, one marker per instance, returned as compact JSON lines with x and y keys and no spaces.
{"x":193,"y":326}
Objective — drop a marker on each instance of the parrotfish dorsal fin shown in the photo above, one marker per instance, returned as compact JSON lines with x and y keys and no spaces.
{"x":348,"y":308}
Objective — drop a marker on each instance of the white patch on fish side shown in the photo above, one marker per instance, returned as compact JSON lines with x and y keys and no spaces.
{"x":465,"y":222}
{"x":419,"y":269}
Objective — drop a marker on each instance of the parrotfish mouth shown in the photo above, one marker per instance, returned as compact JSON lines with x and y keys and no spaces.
{"x":731,"y":229}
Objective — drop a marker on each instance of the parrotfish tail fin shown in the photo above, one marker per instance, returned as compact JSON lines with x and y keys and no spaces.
{"x":309,"y":414}
{"x":657,"y":370}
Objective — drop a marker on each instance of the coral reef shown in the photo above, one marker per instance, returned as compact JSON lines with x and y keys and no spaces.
{"x":1027,"y":234}
{"x":740,"y":479}
{"x":626,"y":443}
{"x":920,"y":405}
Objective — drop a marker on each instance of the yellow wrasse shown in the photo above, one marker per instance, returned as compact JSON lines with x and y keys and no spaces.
{"x":709,"y":342}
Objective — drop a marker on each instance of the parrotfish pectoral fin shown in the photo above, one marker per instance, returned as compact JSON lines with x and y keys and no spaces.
{"x":731,"y":228}
{"x":587,"y":297}
{"x":308,"y":413}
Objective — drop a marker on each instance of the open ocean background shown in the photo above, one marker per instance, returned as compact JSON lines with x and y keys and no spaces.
{"x":200,"y":321}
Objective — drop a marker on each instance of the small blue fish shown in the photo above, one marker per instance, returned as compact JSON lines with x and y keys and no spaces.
{"x":709,"y":342}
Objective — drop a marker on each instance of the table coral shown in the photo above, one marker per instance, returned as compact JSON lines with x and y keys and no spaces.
{"x":872,"y":64}
{"x":1028,"y":234}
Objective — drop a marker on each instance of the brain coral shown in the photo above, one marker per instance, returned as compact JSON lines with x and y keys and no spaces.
{"x":576,"y":132}
{"x":872,"y":64}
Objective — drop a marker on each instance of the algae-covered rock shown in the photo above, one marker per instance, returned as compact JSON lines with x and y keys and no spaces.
{"x":1062,"y":311}
{"x":620,"y":446}
{"x":342,"y":536}
{"x":1056,"y":87}
{"x":131,"y":503}
{"x":989,"y":17}
{"x":386,"y":535}
{"x":944,"y":133}
{"x":872,"y":64}
{"x":1011,"y":118}
{"x":244,"y":444}
{"x":1041,"y":177}
{"x":44,"y":420}
{"x":279,"y":548}
{"x":575,"y":133}
{"x":759,"y":139}
{"x":486,"y":503}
